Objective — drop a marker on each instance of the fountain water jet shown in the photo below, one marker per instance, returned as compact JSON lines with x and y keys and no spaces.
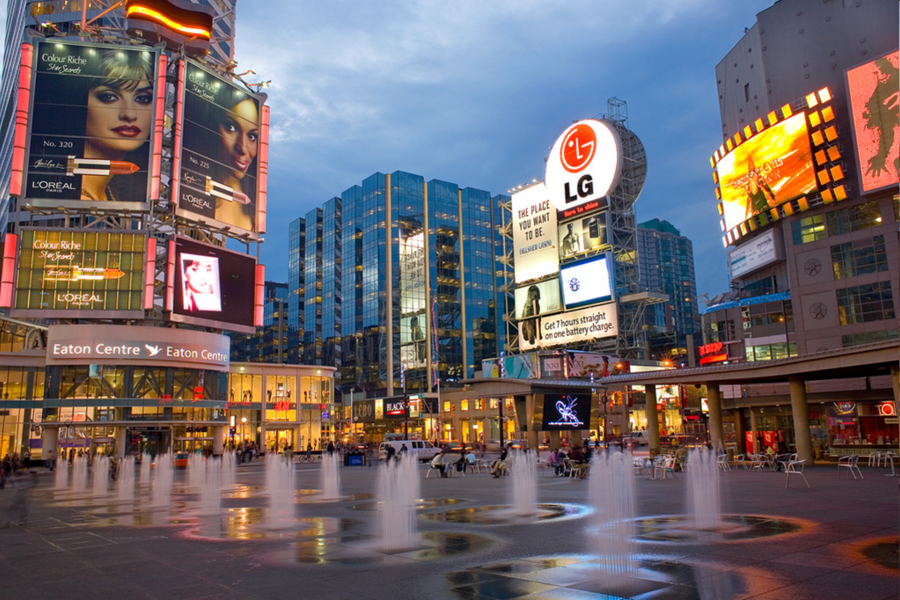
{"x":229,"y":469}
{"x":398,"y":489}
{"x":330,"y":476}
{"x":524,"y":484}
{"x":612,"y":493}
{"x":280,"y":484}
{"x":101,"y":475}
{"x":146,"y":464}
{"x":61,"y":477}
{"x":162,"y":482}
{"x":79,"y":473}
{"x":704,"y":496}
{"x":211,"y":488}
{"x":125,"y":479}
{"x":196,"y":470}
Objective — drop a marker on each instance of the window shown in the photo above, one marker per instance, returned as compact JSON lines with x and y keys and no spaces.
{"x":854,"y":218}
{"x":479,"y":404}
{"x":808,"y":229}
{"x":746,"y":92}
{"x":859,"y":339}
{"x":859,"y":258}
{"x":464,"y":404}
{"x":446,"y":406}
{"x":866,"y":303}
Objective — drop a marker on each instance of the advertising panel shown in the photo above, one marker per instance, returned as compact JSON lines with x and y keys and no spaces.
{"x":412,"y":342}
{"x":395,"y":407}
{"x":115,"y":344}
{"x":572,"y":327}
{"x":412,"y":273}
{"x":582,"y":235}
{"x":218,"y":165}
{"x":537,"y":299}
{"x":91,"y":123}
{"x":585,"y":364}
{"x":767,"y":170}
{"x":584,"y":165}
{"x":566,"y":411}
{"x":756,"y":253}
{"x":534,"y":234}
{"x":70,"y":273}
{"x":872,"y":89}
{"x":587,"y":282}
{"x":521,"y":366}
{"x":213,"y":286}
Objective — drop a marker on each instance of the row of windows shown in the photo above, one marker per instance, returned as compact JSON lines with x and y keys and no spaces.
{"x":853,"y":218}
{"x":771,"y":351}
{"x":866,"y":303}
{"x":859,"y":258}
{"x":872,"y":337}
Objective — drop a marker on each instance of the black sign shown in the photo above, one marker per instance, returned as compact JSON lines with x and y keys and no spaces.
{"x":395,"y":407}
{"x":567,"y":411}
{"x":364,"y":411}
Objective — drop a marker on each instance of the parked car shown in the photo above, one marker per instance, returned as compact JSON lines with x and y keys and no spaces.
{"x":640,"y":438}
{"x":423,"y":451}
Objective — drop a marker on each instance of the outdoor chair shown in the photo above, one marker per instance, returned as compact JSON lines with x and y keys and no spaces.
{"x":665,"y":467}
{"x":740,"y":459}
{"x":851,"y":463}
{"x":795,"y":467}
{"x":722,"y":462}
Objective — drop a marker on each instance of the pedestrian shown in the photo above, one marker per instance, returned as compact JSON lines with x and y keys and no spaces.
{"x":499,"y":465}
{"x":330,"y":448}
{"x":308,"y":451}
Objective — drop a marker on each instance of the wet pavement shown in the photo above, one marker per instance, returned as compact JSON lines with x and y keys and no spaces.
{"x":838,"y":539}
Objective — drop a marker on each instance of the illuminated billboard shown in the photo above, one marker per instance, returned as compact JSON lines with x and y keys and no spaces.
{"x":586,"y":282}
{"x":585,"y":325}
{"x":566,"y":411}
{"x":412,"y":273}
{"x":64,"y":272}
{"x":534,"y":301}
{"x":766,"y":171}
{"x":584,"y":165}
{"x":872,"y":89}
{"x":583,"y":235}
{"x":534,"y":234}
{"x":92,"y":120}
{"x":413,"y":351}
{"x":212,"y":286}
{"x":220,"y":153}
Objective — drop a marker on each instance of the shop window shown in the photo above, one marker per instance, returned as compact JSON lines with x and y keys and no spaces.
{"x":479,"y":404}
{"x":446,"y":406}
{"x":808,"y":229}
{"x":464,"y":405}
{"x":865,"y":303}
{"x":494,"y":403}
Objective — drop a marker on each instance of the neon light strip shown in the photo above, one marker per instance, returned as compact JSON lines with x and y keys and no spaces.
{"x":260,"y":295}
{"x":263,"y":170}
{"x":156,"y":162}
{"x":149,"y":273}
{"x":149,"y":13}
{"x":21,"y":131}
{"x":8,"y":270}
{"x":170,"y":277}
{"x":177,"y":141}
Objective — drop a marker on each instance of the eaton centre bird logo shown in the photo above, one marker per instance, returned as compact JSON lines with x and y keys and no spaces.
{"x":154,"y":350}
{"x":567,"y":416}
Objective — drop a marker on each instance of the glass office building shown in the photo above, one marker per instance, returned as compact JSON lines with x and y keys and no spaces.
{"x":397,"y":284}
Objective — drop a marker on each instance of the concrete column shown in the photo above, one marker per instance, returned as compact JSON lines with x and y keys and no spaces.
{"x":554,"y":440}
{"x":754,"y":429}
{"x":716,"y":431}
{"x":895,"y":383}
{"x":652,"y":417}
{"x":49,"y":440}
{"x":218,"y":440}
{"x":298,"y":436}
{"x":262,"y":428}
{"x":800,"y":413}
{"x":121,"y":440}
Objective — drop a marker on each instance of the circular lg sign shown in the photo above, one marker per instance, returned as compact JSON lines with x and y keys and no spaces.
{"x":584,"y":165}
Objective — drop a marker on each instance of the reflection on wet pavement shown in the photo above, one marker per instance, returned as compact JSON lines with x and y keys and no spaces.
{"x":503,"y":515}
{"x":421,"y":503}
{"x":680,"y":528}
{"x":431,"y":545}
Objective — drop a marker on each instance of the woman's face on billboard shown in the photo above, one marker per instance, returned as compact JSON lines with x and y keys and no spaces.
{"x":239,"y":135}
{"x":119,"y":119}
{"x":199,"y":276}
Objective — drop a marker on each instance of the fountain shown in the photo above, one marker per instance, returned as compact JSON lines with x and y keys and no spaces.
{"x":196,"y":470}
{"x":280,"y":483}
{"x":101,"y":475}
{"x":330,"y":476}
{"x":398,"y":489}
{"x":612,"y":493}
{"x":61,"y":477}
{"x":211,"y":488}
{"x":524,"y":485}
{"x":703,"y":493}
{"x":125,"y":479}
{"x":79,"y":473}
{"x":162,"y":482}
{"x":229,"y":469}
{"x":146,"y":464}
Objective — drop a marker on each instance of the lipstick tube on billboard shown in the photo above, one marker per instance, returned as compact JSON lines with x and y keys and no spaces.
{"x":94,"y":166}
{"x":78,"y":273}
{"x":225,"y":192}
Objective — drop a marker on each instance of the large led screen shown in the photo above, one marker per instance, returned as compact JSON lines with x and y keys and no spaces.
{"x":873,"y":104}
{"x":212,"y":286}
{"x":64,"y":272}
{"x":586,"y":282}
{"x":769,"y":169}
{"x":219,"y":166}
{"x":582,"y":235}
{"x":91,"y":125}
{"x":566,"y":411}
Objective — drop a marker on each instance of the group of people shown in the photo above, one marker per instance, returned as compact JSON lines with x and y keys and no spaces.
{"x":446,"y":463}
{"x":562,"y":463}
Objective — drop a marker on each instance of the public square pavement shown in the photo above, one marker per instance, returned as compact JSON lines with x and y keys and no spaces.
{"x":836,"y":540}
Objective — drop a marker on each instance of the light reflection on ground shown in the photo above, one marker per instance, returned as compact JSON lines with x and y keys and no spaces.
{"x":504,"y":515}
{"x":734,"y":528}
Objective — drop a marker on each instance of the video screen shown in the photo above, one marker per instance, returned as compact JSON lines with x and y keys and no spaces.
{"x":566,"y":411}
{"x":538,"y":299}
{"x":581,"y":235}
{"x":64,"y":271}
{"x":874,"y":109}
{"x":220,"y":144}
{"x":586,"y":282}
{"x":91,"y":124}
{"x":768,"y":170}
{"x":213,"y":286}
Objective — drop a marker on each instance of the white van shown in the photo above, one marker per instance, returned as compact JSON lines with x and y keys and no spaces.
{"x":640,"y":438}
{"x":423,"y":451}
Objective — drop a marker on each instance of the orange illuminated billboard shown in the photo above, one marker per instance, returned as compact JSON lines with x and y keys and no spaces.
{"x":766,"y":171}
{"x":873,"y":96}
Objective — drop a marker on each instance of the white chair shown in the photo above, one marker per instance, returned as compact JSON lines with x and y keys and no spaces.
{"x":742,"y":459}
{"x":666,"y":467}
{"x":722,"y":462}
{"x":851,"y":463}
{"x":795,"y":467}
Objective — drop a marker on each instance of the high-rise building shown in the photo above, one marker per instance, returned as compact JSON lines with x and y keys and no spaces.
{"x":666,"y":265}
{"x":270,"y":343}
{"x":397,"y":283}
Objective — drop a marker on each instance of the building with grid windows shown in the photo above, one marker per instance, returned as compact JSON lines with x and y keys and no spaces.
{"x":397,"y":283}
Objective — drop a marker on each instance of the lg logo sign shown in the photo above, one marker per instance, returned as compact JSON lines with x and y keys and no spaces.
{"x":584,"y":165}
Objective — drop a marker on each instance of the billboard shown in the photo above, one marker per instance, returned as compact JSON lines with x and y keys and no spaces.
{"x":535,"y":300}
{"x":566,"y":411}
{"x":92,"y":119}
{"x":413,"y":351}
{"x":872,"y":89}
{"x":766,"y":171}
{"x":70,"y":273}
{"x":583,"y":325}
{"x":219,"y":153}
{"x":534,"y":234}
{"x":756,"y":253}
{"x":583,"y":235}
{"x":212,"y":286}
{"x":412,"y":273}
{"x":584,"y":165}
{"x":586,"y":282}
